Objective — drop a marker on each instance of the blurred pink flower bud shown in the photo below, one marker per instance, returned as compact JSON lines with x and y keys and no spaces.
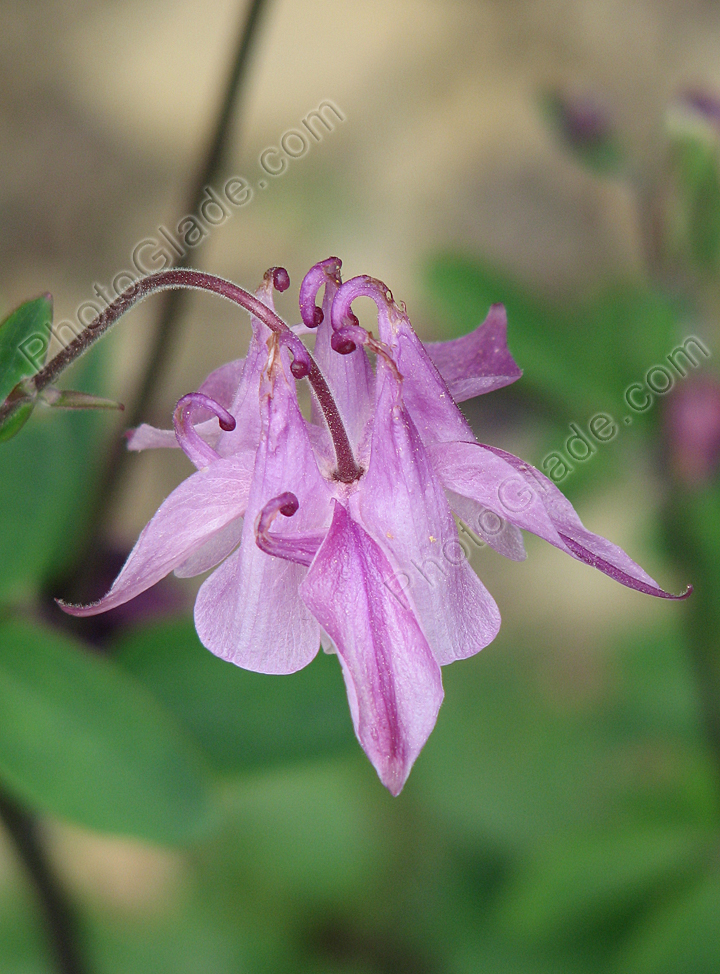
{"x":692,"y":426}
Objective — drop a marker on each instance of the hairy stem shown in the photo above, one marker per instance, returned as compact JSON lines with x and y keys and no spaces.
{"x":59,"y":919}
{"x":184,"y":278}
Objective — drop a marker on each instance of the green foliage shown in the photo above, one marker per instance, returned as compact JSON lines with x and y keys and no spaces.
{"x":15,"y":420}
{"x":695,"y":203}
{"x":242,"y":720}
{"x":541,"y":755}
{"x":683,"y":936}
{"x":578,"y":356}
{"x":80,"y":739}
{"x":46,"y":479}
{"x":24,"y":340}
{"x":578,"y":885}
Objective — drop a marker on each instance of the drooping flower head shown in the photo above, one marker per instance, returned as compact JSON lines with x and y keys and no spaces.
{"x":339,"y":529}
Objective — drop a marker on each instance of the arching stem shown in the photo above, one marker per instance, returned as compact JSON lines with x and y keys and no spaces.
{"x":303,"y":366}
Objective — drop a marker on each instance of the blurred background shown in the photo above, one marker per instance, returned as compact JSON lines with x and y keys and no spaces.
{"x":560,"y":157}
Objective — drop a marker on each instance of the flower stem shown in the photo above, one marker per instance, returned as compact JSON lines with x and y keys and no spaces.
{"x":177,"y":278}
{"x":59,"y":919}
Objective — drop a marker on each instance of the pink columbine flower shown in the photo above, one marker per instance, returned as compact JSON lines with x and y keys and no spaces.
{"x":339,"y":529}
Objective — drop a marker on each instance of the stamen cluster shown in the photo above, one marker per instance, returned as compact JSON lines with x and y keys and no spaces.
{"x":341,"y":528}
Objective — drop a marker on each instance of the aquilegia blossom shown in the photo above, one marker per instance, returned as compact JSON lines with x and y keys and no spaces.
{"x":339,"y":529}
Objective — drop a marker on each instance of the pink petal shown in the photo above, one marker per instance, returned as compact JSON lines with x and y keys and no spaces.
{"x":426,"y":395}
{"x":496,"y":531}
{"x":478,"y":362}
{"x":147,"y":437}
{"x":195,"y":511}
{"x":245,"y":405}
{"x":404,"y":506}
{"x":518,"y":492}
{"x":215,"y":550}
{"x":249,"y":610}
{"x":393,"y":680}
{"x":220,"y":385}
{"x":350,"y":378}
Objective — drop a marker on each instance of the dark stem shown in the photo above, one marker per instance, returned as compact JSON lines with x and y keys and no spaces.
{"x":60,"y":921}
{"x":169,"y":315}
{"x":347,"y":469}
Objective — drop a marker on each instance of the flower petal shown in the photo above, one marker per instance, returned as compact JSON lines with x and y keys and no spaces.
{"x":245,"y":405}
{"x":425,"y":392}
{"x":147,"y":437}
{"x":193,"y":514}
{"x":393,"y":680}
{"x":478,"y":362}
{"x":350,"y":378}
{"x":215,"y":550}
{"x":517,"y":491}
{"x":496,"y":531}
{"x":221,"y":385}
{"x":249,"y":610}
{"x":404,"y":506}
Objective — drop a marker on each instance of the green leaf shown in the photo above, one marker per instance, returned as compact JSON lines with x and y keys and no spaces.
{"x":46,"y":479}
{"x":81,"y":740}
{"x":576,"y":885}
{"x":695,"y":208}
{"x":682,"y":937}
{"x":242,"y":720}
{"x":24,"y":340}
{"x":580,"y":356}
{"x":15,"y":421}
{"x":539,"y":756}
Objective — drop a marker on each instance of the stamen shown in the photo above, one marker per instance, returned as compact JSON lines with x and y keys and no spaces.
{"x":362,"y":286}
{"x":299,"y":548}
{"x":281,"y":279}
{"x":326,"y":272}
{"x":347,"y":469}
{"x":189,"y":440}
{"x":346,"y":327}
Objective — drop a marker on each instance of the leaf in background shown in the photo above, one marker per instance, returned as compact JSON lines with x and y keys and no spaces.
{"x":81,"y":740}
{"x":693,"y":206}
{"x":579,"y":356}
{"x":539,"y":755}
{"x":24,"y":340}
{"x":15,"y":421}
{"x":576,"y":885}
{"x":242,"y":720}
{"x":46,"y":478}
{"x":683,"y":935}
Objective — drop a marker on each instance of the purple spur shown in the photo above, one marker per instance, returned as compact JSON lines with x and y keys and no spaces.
{"x":339,"y":530}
